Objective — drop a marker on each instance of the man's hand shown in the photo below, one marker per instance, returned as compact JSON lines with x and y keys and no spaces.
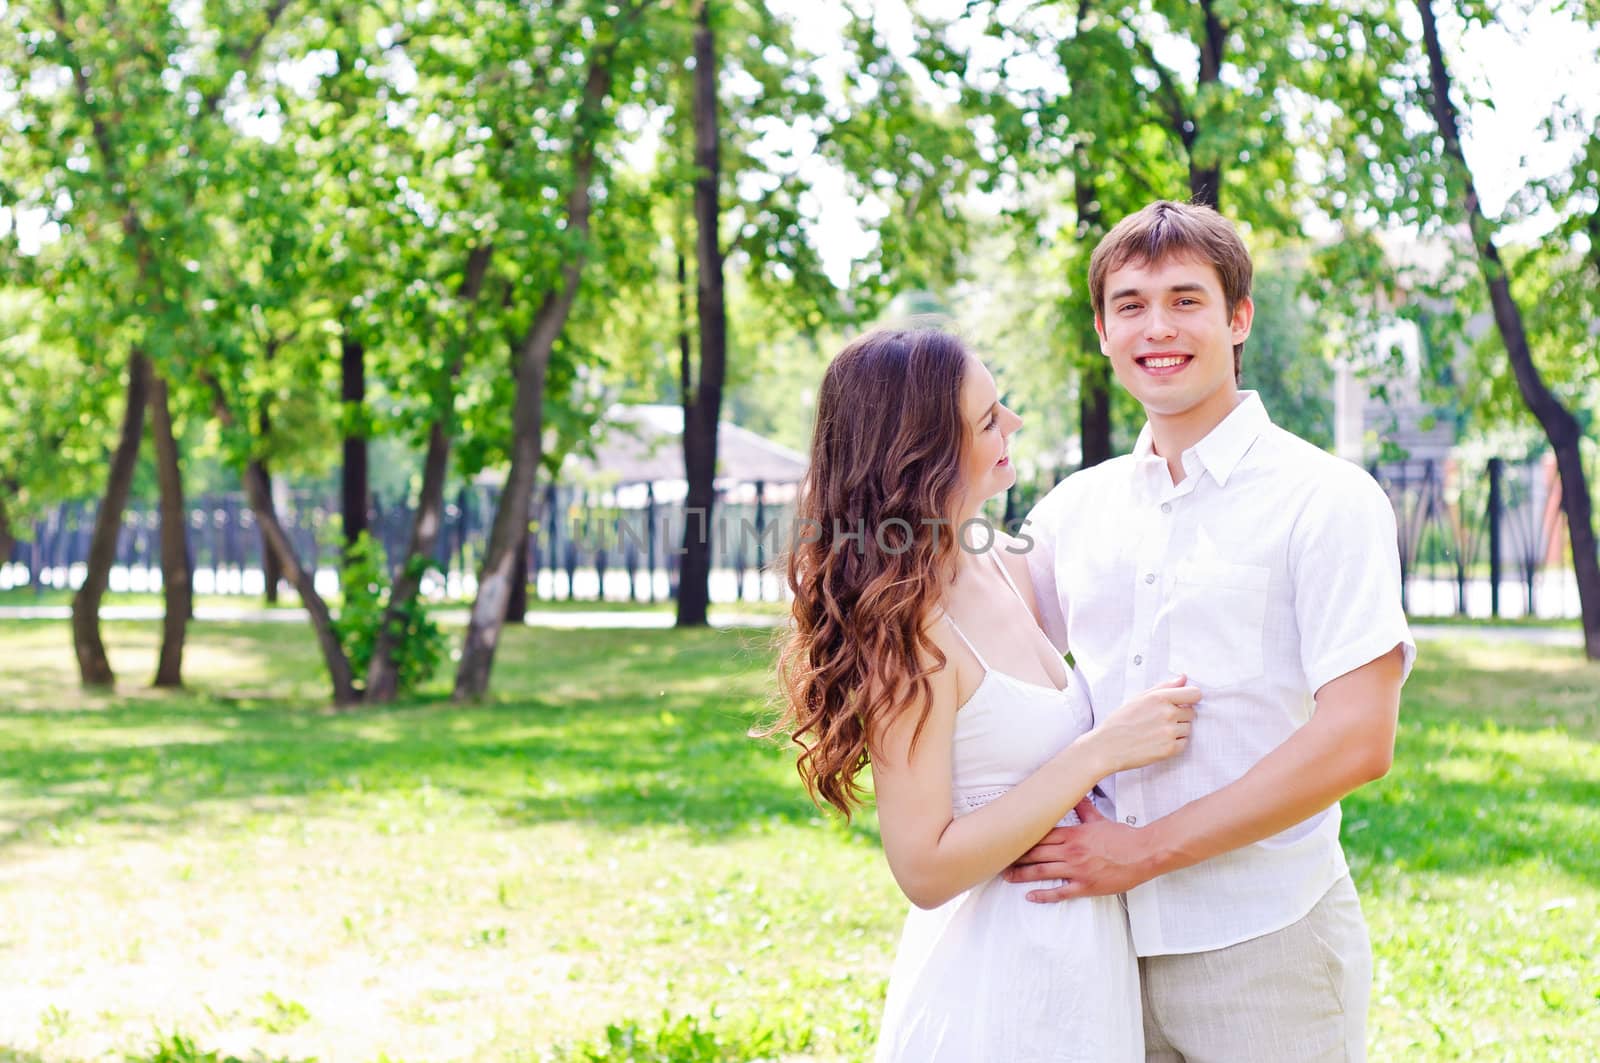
{"x":1096,"y":858}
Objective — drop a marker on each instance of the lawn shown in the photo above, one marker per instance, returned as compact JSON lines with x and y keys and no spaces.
{"x":289,"y":601}
{"x":235,"y":870}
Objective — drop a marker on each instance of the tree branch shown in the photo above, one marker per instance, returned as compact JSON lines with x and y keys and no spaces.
{"x":245,"y":58}
{"x":1170,"y":96}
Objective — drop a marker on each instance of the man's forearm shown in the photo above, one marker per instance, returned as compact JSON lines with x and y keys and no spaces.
{"x":1348,"y":742}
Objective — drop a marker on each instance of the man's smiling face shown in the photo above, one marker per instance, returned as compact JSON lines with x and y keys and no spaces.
{"x":1168,"y":332}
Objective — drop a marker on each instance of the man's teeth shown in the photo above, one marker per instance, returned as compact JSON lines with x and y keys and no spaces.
{"x":1164,"y":363}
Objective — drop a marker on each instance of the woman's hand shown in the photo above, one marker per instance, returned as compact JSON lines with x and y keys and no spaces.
{"x":1150,"y":727}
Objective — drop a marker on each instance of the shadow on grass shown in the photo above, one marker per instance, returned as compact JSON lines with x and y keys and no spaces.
{"x":1512,"y":687}
{"x":615,"y":729}
{"x":1488,"y":777}
{"x":1429,"y":824}
{"x":624,"y":729}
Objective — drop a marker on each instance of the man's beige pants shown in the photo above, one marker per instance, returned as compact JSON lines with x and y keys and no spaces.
{"x":1297,"y":995}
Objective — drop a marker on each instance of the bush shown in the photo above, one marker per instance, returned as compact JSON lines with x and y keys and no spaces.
{"x":419,"y":644}
{"x":684,"y":1040}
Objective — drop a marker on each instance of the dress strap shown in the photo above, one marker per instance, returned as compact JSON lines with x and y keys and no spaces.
{"x":957,"y":629}
{"x":1006,"y":572}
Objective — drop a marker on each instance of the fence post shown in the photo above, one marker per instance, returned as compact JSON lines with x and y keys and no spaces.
{"x":36,"y":558}
{"x":630,"y":552}
{"x":650,"y":541}
{"x":761,"y":540}
{"x":463,"y":529}
{"x":595,"y":531}
{"x":552,"y":539}
{"x":1496,"y":467}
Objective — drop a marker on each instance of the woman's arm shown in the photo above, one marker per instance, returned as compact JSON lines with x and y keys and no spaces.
{"x":935,"y":855}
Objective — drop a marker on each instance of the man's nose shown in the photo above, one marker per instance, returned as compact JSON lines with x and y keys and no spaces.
{"x":1158,"y":326}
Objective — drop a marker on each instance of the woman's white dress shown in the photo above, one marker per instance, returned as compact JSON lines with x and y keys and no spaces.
{"x":991,"y":977}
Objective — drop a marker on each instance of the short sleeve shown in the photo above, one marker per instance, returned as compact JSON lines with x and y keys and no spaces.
{"x":1041,"y":534}
{"x":1345,"y":560}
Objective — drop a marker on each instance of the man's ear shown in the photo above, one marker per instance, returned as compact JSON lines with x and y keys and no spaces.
{"x":1244,"y":314}
{"x":1100,"y":330}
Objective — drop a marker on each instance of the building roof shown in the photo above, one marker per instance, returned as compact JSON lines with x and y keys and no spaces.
{"x":644,"y":444}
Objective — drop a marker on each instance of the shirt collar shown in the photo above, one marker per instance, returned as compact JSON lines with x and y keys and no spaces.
{"x":1220,"y":452}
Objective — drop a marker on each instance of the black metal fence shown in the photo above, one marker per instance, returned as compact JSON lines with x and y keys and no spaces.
{"x":583,"y":545}
{"x":1483,"y":541}
{"x":1475,"y":539}
{"x":1487,"y":540}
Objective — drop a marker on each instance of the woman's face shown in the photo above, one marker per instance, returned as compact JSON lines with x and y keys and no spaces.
{"x":986,"y":469}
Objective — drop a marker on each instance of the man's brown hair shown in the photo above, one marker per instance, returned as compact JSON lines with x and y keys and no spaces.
{"x":1165,"y":230}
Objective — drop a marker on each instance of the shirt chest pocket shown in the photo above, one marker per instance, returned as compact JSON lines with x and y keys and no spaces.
{"x":1216,"y":613}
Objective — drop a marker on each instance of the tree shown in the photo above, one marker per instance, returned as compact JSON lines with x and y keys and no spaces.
{"x":1560,"y":426}
{"x":383,"y":675}
{"x":1138,"y":101}
{"x":607,"y":47}
{"x":1285,"y":363}
{"x":126,"y":106}
{"x":702,"y":401}
{"x":51,"y":445}
{"x":177,"y":594}
{"x":406,"y":246}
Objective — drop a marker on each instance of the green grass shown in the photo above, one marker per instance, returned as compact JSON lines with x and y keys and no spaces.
{"x":288,"y":600}
{"x":56,"y":596}
{"x":598,"y":864}
{"x":1467,"y":623}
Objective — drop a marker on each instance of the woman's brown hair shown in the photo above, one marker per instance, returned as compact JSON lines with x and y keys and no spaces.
{"x":872,"y":551}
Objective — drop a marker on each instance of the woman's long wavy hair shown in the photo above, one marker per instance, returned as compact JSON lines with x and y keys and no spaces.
{"x":867,"y":567}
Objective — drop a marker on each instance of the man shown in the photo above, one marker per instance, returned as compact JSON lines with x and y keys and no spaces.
{"x":1266,"y":570}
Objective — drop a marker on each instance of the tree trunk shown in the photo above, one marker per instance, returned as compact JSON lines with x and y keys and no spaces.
{"x":94,"y":669}
{"x":8,"y":538}
{"x":271,"y":570}
{"x":1094,"y":407}
{"x":508,"y":534}
{"x":1560,"y":426}
{"x":703,"y":406}
{"x":685,"y":341}
{"x":517,"y":602}
{"x":176,"y":591}
{"x":259,"y":490}
{"x":353,"y":392}
{"x":1094,"y":380}
{"x":382,"y":674}
{"x":1205,"y":180}
{"x":509,"y":530}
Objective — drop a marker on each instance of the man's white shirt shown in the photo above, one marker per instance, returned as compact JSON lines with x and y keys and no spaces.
{"x":1270,"y":570}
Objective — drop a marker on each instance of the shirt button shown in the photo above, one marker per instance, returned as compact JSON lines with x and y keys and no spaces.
{"x":1149,"y":577}
{"x":1131,"y":821}
{"x":1138,"y":658}
{"x":1166,"y":507}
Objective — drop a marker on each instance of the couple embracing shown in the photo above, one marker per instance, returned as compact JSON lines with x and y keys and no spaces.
{"x":1137,"y":857}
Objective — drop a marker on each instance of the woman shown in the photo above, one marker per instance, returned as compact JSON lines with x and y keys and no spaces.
{"x":914,"y":647}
